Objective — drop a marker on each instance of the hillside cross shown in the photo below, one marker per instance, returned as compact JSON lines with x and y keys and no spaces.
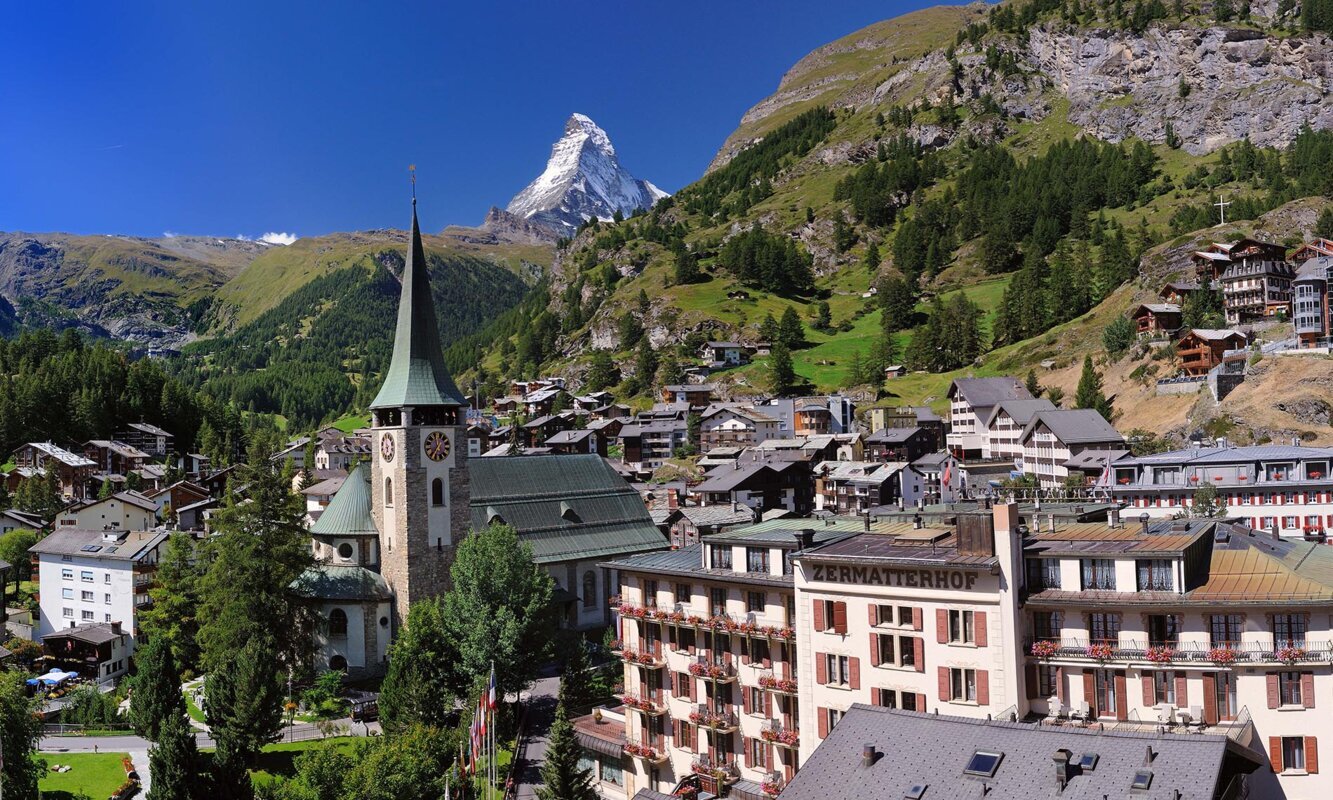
{"x":1222,"y":208}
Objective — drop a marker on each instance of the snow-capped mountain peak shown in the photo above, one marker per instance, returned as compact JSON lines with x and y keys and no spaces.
{"x":583,"y":179}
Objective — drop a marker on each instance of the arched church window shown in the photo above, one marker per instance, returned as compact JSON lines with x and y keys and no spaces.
{"x":388,"y":491}
{"x":437,"y":492}
{"x":337,"y":622}
{"x":589,"y":589}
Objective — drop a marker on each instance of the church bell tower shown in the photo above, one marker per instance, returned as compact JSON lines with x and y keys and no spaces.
{"x":419,"y":472}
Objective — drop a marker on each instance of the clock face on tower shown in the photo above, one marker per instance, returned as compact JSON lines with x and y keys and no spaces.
{"x":386,"y":447}
{"x":437,"y":446}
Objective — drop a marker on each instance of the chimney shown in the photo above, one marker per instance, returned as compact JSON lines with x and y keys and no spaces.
{"x":1062,"y":767}
{"x":868,"y":755}
{"x":1052,"y":523}
{"x":1273,"y":531}
{"x":916,"y":522}
{"x":115,"y":628}
{"x":1006,"y":517}
{"x":805,"y":538}
{"x":867,"y":521}
{"x":673,"y":499}
{"x":1113,"y":518}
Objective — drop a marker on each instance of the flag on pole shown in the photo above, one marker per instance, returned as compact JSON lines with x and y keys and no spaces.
{"x":491,"y":696}
{"x":481,"y":716}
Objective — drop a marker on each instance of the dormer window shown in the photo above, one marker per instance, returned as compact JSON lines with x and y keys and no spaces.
{"x":756,"y":559}
{"x":719,"y":556}
{"x":1155,"y":574}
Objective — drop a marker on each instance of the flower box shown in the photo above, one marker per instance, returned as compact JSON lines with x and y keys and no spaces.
{"x":709,"y":670}
{"x":771,"y":788}
{"x":778,"y":684}
{"x":1100,"y":651}
{"x":1045,"y":649}
{"x":645,"y":752}
{"x":1222,"y":655}
{"x":790,"y":738}
{"x":1290,"y":655}
{"x":1161,"y":655}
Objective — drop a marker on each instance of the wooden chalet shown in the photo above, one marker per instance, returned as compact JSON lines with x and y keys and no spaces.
{"x":1201,"y":349}
{"x":1175,"y":292}
{"x":1157,"y":318}
{"x":1312,"y":249}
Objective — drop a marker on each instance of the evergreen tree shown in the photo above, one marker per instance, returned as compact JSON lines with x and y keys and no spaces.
{"x":155,"y":689}
{"x":768,"y":329}
{"x":781,"y":373}
{"x":1206,"y":502}
{"x":1323,"y":227}
{"x":173,"y":616}
{"x":630,"y":330}
{"x":856,"y":373}
{"x":844,"y":235}
{"x":499,"y":611}
{"x":174,"y":762}
{"x":1203,"y":308}
{"x":686,"y":265}
{"x":244,"y":702}
{"x":645,"y":361}
{"x":872,"y":258}
{"x":897,"y":302}
{"x":823,"y":317}
{"x":20,"y":731}
{"x":418,"y":675}
{"x":790,"y":331}
{"x":670,"y":372}
{"x":562,"y":776}
{"x":1031,"y":384}
{"x":602,"y":372}
{"x":1089,"y":392}
{"x":577,"y":691}
{"x":14,"y":549}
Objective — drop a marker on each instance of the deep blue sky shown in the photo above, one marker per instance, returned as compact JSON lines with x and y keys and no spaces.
{"x":247,"y":117}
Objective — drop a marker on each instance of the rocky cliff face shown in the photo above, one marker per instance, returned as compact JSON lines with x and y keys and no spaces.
{"x":1238,"y":83}
{"x":583,"y":179}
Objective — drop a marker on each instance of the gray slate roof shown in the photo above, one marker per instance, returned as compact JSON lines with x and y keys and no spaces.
{"x":986,"y":392}
{"x":72,"y":541}
{"x":565,"y":507}
{"x":1021,"y":411}
{"x":1075,"y":426}
{"x":348,"y":513}
{"x":417,"y":375}
{"x":338,"y":582}
{"x":919,"y":749}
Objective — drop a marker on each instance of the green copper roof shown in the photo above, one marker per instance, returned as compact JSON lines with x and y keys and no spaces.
{"x":348,"y":513}
{"x":330,"y":582}
{"x":417,"y":375}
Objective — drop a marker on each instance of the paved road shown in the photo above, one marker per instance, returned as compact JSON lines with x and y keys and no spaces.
{"x":541,"y":713}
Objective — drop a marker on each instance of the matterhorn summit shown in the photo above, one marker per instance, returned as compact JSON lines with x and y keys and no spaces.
{"x":583,"y":179}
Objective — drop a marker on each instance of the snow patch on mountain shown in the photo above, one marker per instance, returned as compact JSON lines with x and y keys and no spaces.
{"x":583,"y":179}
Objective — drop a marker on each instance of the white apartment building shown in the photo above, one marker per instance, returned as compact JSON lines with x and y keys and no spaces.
{"x":1005,"y":426}
{"x":909,"y":616}
{"x":125,"y":511}
{"x":971,"y":401}
{"x":1282,"y":487}
{"x":736,"y":426}
{"x":1052,"y":438}
{"x":95,"y":577}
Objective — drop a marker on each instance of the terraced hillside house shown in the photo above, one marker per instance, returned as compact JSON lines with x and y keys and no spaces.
{"x":1256,"y":288}
{"x":74,"y":472}
{"x":95,"y":577}
{"x":900,"y":444}
{"x":1156,"y":319}
{"x":1251,"y":255}
{"x":1053,"y":440}
{"x":1187,"y":624}
{"x":1282,"y":488}
{"x":575,"y":512}
{"x":149,"y":438}
{"x":1202,"y":349}
{"x":734,"y":425}
{"x":913,"y":616}
{"x":971,"y":401}
{"x":707,"y":637}
{"x":855,"y":487}
{"x":1175,"y":292}
{"x":115,"y":458}
{"x":878,"y":419}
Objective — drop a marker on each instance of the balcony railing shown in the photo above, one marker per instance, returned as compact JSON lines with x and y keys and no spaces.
{"x":721,"y":721}
{"x":772,"y":683}
{"x":682,"y":616}
{"x":644,"y":658}
{"x":721,"y":672}
{"x":723,"y":771}
{"x":642,"y":702}
{"x":1179,"y":652}
{"x":773,"y":731}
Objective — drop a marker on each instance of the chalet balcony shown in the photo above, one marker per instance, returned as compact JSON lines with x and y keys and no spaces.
{"x":720,"y":721}
{"x":1143,"y":651}
{"x":773,"y":731}
{"x":771,"y":683}
{"x":643,"y":703}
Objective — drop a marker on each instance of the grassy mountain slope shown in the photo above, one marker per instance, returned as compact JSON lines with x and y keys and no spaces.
{"x":957,"y":90}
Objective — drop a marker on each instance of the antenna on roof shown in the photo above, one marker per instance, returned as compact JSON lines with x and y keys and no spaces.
{"x":412,"y":171}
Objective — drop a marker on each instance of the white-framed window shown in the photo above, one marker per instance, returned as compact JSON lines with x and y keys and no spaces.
{"x":87,"y":616}
{"x":106,"y":578}
{"x":67,"y":613}
{"x":963,"y":685}
{"x":838,"y":669}
{"x":86,"y":597}
{"x":67,"y":593}
{"x":106,"y":599}
{"x":86,"y":576}
{"x":67,"y":574}
{"x":1293,"y":753}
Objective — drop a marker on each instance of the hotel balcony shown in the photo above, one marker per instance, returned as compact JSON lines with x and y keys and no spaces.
{"x":643,"y":703}
{"x":1166,"y":653}
{"x":720,"y":721}
{"x":720,"y":672}
{"x":771,"y":683}
{"x":774,"y":732}
{"x":643,"y":658}
{"x":682,"y":616}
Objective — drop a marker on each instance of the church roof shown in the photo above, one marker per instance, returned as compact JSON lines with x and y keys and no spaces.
{"x":566,"y":508}
{"x":417,"y":375}
{"x":336,"y":582}
{"x":348,"y":513}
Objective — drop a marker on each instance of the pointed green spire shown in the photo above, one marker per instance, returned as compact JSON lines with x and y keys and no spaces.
{"x":417,"y":375}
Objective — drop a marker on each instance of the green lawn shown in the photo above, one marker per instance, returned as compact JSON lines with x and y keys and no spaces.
{"x":193,"y":710}
{"x":97,"y":775}
{"x":351,"y":422}
{"x":280,"y":759}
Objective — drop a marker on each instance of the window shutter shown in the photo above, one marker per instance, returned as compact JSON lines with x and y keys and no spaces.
{"x":840,"y":617}
{"x":919,"y":653}
{"x":1182,"y":692}
{"x":874,"y":614}
{"x":821,"y":669}
{"x":1312,"y":755}
{"x":1089,"y":689}
{"x":1209,"y":698}
{"x":768,"y":656}
{"x":820,"y":615}
{"x":941,"y":625}
{"x":745,"y":650}
{"x":983,"y":687}
{"x":1121,"y":701}
{"x":916,"y":619}
{"x":768,"y":705}
{"x":854,"y":672}
{"x":1307,"y":689}
{"x":745,"y":700}
{"x":983,"y":636}
{"x":1273,"y":695}
{"x":1030,"y":678}
{"x":823,"y":723}
{"x":943,"y":673}
{"x":1149,"y":690}
{"x":921,"y":703}
{"x":1060,"y":683}
{"x":1275,"y":752}
{"x":874,"y":650}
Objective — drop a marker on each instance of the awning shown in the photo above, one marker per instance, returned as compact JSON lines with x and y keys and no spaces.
{"x":597,"y":745}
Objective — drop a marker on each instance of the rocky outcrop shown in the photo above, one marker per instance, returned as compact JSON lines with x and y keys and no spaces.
{"x":1239,"y":83}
